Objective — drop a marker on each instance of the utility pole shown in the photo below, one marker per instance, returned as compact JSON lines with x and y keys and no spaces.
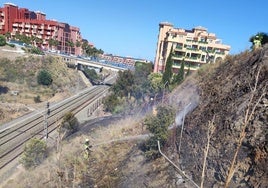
{"x":47,"y":112}
{"x":164,"y":91}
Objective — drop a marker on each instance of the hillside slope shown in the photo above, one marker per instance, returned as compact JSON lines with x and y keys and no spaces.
{"x":18,"y":73}
{"x":220,"y":94}
{"x":225,"y":98}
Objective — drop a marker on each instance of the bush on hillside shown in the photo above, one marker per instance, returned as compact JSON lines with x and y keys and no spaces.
{"x":35,"y":151}
{"x":158,"y":126}
{"x":110,"y":103}
{"x":44,"y":78}
{"x":2,"y":40}
{"x":69,"y":124}
{"x":11,"y":45}
{"x":35,"y":50}
{"x":37,"y":99}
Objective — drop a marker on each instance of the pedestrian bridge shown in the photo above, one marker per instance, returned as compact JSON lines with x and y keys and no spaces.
{"x":77,"y":62}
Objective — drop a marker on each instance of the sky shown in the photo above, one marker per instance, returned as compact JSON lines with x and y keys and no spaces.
{"x":130,"y":27}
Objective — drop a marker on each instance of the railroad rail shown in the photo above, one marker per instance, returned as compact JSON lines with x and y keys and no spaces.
{"x":15,"y":134}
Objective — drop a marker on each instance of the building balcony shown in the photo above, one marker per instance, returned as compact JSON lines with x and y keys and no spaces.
{"x":202,"y":42}
{"x":179,"y":47}
{"x":178,"y":57}
{"x":192,"y":58}
{"x":220,"y":53}
{"x":186,"y":66}
{"x":192,"y":49}
{"x":211,"y":51}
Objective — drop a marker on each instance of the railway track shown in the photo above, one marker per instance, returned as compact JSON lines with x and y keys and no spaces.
{"x":15,"y":134}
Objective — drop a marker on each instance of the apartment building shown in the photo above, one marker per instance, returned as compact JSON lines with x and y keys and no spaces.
{"x":22,"y":21}
{"x":195,"y":47}
{"x":128,"y":61}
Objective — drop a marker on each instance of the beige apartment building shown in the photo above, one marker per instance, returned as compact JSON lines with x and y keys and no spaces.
{"x":195,"y":47}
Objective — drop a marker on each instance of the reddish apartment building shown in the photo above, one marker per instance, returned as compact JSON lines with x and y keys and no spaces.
{"x":17,"y":20}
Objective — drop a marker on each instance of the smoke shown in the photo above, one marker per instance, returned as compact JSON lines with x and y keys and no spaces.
{"x":186,"y":99}
{"x":187,"y":109}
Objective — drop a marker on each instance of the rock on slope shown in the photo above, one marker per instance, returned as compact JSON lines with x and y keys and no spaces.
{"x":225,"y":94}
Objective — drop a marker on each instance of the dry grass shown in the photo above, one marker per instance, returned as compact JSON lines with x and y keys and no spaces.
{"x":20,"y":74}
{"x":67,"y":167}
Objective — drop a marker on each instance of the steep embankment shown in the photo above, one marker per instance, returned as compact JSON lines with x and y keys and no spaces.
{"x":225,"y":98}
{"x":18,"y":74}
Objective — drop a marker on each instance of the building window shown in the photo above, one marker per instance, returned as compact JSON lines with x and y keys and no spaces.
{"x":203,"y":48}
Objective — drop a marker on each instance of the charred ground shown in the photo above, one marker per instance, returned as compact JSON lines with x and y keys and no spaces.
{"x":225,"y":93}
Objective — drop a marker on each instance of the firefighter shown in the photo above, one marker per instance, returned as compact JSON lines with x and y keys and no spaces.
{"x":257,"y":41}
{"x":87,"y":147}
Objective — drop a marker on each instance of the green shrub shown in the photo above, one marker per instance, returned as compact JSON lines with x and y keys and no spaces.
{"x":11,"y":45}
{"x":35,"y":151}
{"x":69,"y":124}
{"x":2,"y":40}
{"x":110,"y":103}
{"x":37,"y":99}
{"x":44,"y":78}
{"x":35,"y":50}
{"x":158,"y":126}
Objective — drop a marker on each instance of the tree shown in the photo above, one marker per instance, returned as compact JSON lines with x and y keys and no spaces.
{"x":36,"y":41}
{"x":180,"y":76}
{"x":142,"y":70}
{"x":2,"y":40}
{"x":84,"y":45}
{"x":158,"y":126}
{"x":141,"y":82}
{"x":70,"y":43}
{"x":35,"y":50}
{"x":53,"y":42}
{"x":123,"y":86}
{"x":69,"y":123}
{"x":167,"y":75}
{"x":8,"y":35}
{"x":44,"y":78}
{"x":78,"y":43}
{"x":156,"y":84}
{"x":23,"y":38}
{"x":35,"y":151}
{"x":92,"y":75}
{"x":110,"y":103}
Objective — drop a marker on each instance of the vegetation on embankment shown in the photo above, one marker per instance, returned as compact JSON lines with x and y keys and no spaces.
{"x":23,"y":86}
